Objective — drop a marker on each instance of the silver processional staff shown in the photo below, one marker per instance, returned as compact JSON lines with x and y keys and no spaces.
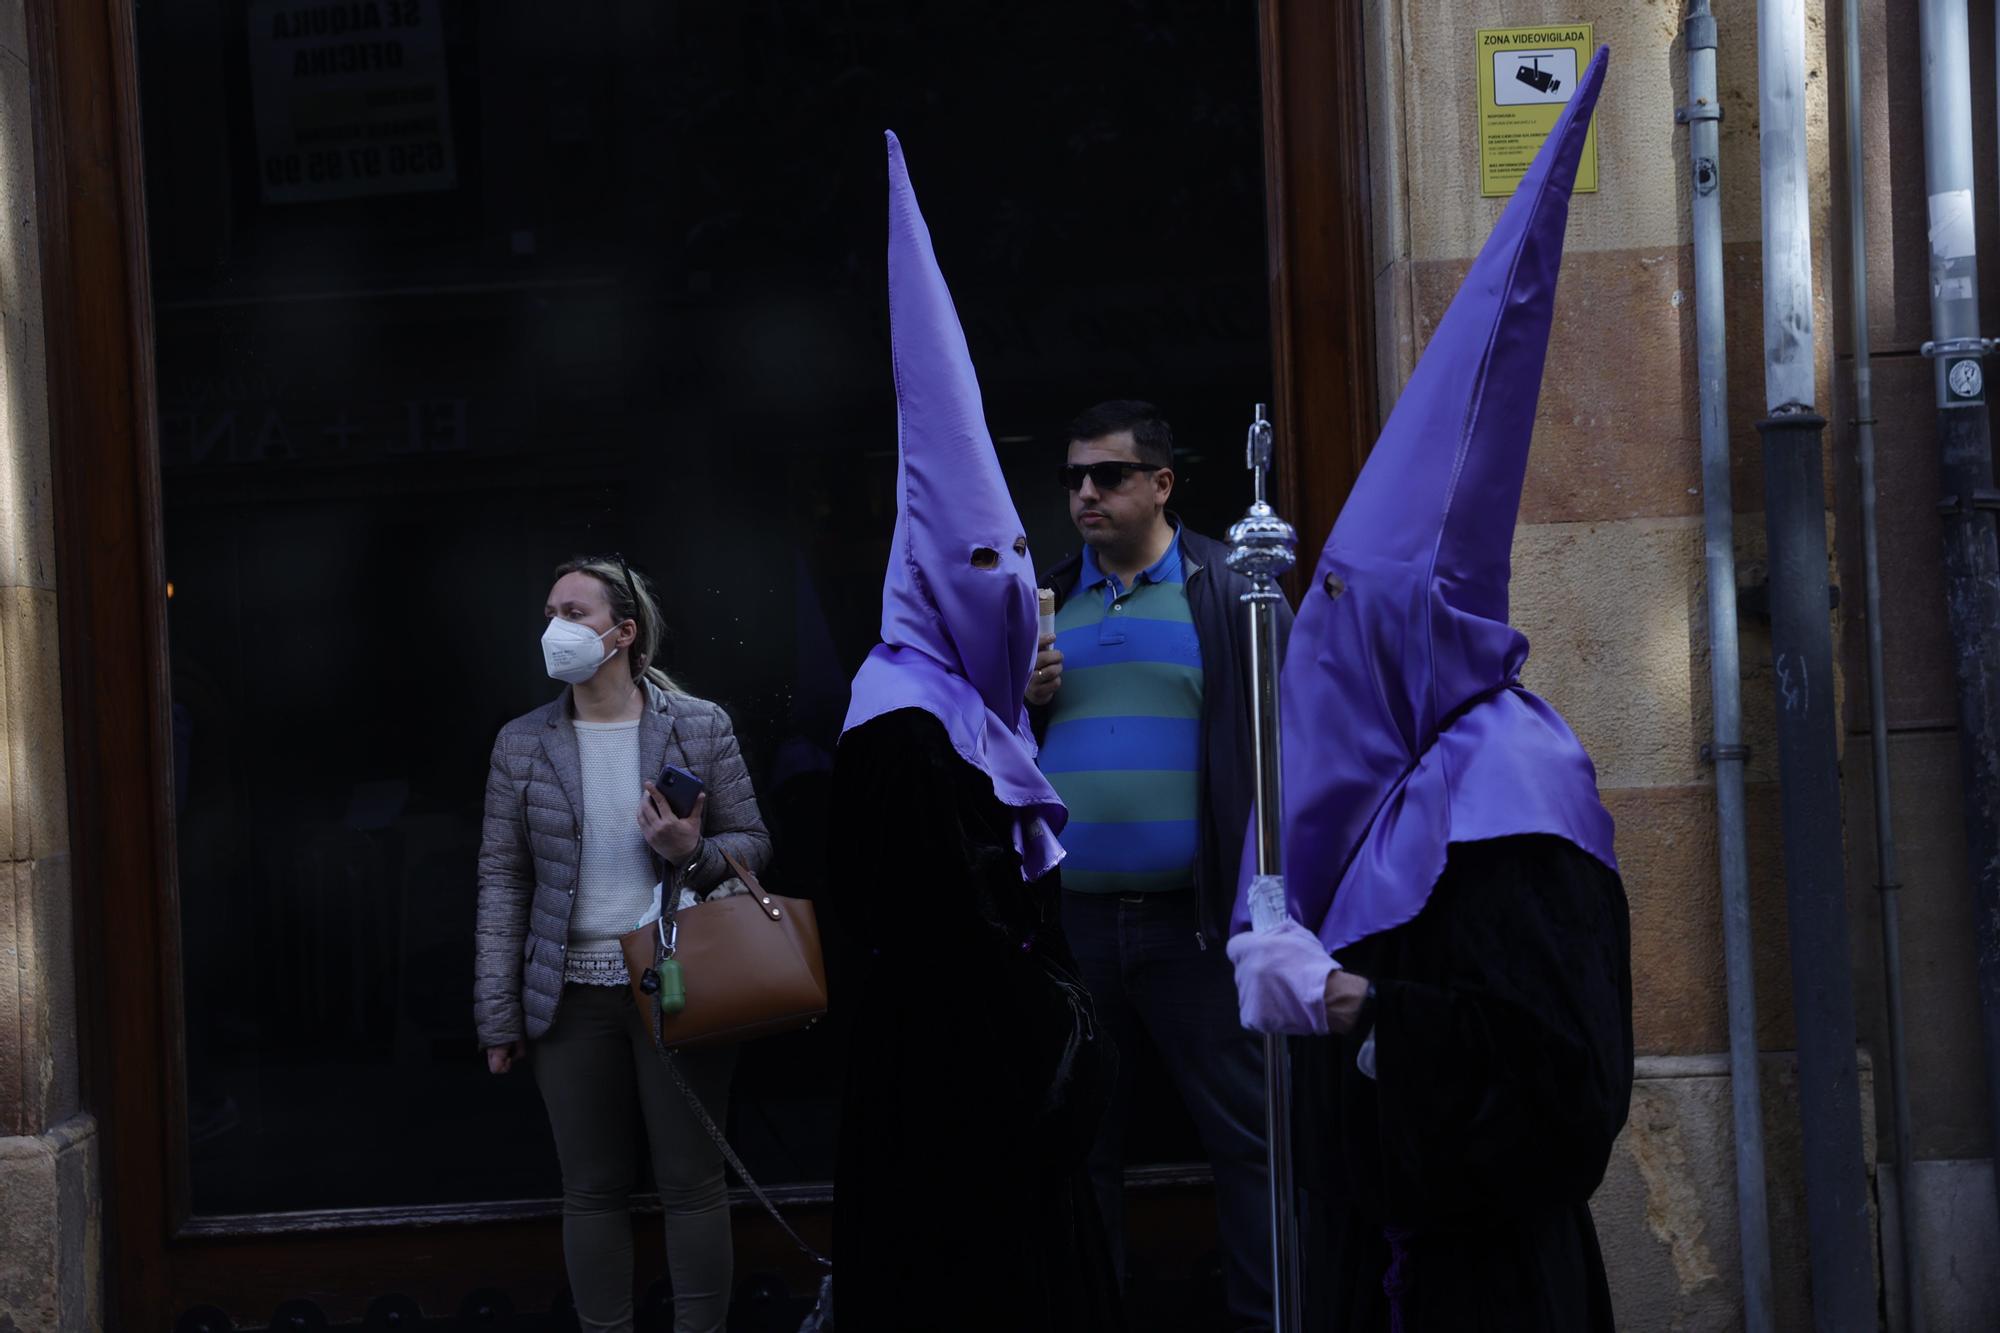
{"x":1261,"y":550}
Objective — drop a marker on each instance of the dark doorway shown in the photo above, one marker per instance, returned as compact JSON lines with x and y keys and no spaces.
{"x":549,"y":279}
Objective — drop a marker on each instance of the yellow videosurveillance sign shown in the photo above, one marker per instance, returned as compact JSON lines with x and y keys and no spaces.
{"x":1525,"y":77}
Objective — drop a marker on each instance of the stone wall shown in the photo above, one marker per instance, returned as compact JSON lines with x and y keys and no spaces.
{"x":48,"y":1148}
{"x":1666,"y":1213}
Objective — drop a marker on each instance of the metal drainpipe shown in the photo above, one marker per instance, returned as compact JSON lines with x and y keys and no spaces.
{"x":1702,"y":116}
{"x":1837,"y":1223}
{"x":1886,"y":883}
{"x":1971,"y":563}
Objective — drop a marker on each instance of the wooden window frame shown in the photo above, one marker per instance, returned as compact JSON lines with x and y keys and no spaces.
{"x":1318,"y":218}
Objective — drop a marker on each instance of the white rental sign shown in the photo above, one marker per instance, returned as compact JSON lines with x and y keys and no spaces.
{"x":351,"y":98}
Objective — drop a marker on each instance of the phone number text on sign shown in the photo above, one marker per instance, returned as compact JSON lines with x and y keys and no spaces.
{"x":351,"y":99}
{"x":332,"y":166}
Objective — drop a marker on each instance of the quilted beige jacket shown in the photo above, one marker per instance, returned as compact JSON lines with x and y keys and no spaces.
{"x":532,"y":843}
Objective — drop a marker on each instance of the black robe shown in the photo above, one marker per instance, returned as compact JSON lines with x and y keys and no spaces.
{"x":1503,"y":1061}
{"x":976,"y":1076}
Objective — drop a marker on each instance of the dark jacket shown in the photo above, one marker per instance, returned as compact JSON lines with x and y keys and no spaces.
{"x":1503,"y":1075}
{"x":1226,"y":781}
{"x":973,"y":1050}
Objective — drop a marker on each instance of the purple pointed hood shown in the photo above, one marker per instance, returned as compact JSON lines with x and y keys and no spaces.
{"x":1405,"y":725}
{"x":958,"y":601}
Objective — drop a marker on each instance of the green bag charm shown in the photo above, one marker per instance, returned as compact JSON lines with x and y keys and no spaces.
{"x":672,"y":993}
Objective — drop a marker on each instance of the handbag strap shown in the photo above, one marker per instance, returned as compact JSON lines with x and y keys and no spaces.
{"x":729,"y":1154}
{"x":673,"y":1067}
{"x":765,"y":900}
{"x":701,"y":1114}
{"x":741,"y":871}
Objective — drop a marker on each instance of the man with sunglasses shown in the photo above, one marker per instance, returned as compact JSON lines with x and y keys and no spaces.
{"x":1142,"y":704}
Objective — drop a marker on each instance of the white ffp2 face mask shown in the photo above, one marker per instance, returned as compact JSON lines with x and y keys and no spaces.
{"x":571,"y":652}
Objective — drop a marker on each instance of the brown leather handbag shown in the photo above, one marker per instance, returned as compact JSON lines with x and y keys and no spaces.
{"x":750,"y":961}
{"x":751,"y":967}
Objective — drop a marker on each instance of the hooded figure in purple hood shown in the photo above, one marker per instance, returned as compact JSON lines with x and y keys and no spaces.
{"x":1457,"y":969}
{"x":976,"y":1077}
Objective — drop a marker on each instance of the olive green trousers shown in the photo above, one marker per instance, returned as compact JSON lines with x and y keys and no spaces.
{"x":602,"y":1080}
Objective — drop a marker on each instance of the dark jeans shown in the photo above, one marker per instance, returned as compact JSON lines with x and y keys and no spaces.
{"x":1149,"y":972}
{"x":601,"y":1078}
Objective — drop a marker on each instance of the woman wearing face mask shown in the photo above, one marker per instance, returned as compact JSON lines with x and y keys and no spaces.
{"x":576,"y":838}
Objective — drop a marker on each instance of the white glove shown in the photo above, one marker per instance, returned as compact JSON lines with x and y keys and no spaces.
{"x":1281,"y":980}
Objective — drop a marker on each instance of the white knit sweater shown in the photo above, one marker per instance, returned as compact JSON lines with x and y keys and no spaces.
{"x":614,"y":884}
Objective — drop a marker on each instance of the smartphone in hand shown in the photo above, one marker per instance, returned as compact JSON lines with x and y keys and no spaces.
{"x":678,"y":788}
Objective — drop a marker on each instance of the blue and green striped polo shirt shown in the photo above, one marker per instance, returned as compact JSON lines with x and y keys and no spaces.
{"x":1123,"y":745}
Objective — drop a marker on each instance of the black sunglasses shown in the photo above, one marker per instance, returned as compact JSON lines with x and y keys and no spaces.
{"x":1104,"y":476}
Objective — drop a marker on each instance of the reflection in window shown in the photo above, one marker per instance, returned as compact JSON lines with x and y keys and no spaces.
{"x":606,"y":275}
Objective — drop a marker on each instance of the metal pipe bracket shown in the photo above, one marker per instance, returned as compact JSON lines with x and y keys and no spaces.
{"x":1957,"y":347}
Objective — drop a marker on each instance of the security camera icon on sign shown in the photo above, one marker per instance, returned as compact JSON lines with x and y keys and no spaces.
{"x":1536,"y":77}
{"x":1527,"y":78}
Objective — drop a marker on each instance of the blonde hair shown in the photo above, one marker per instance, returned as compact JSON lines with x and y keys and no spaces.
{"x":632,"y":598}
